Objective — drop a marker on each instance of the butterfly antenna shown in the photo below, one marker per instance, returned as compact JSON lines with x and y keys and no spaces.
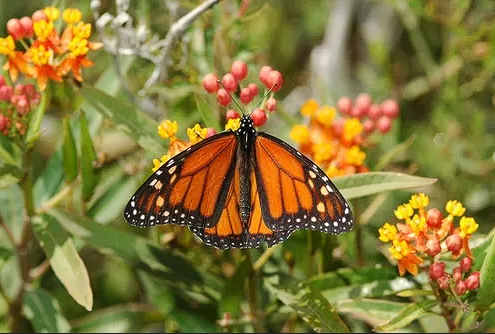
{"x":231,"y":97}
{"x":264,"y":97}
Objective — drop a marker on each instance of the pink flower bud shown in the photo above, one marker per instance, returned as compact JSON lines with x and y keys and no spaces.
{"x":437,"y":270}
{"x":434,"y":218}
{"x":460,"y":288}
{"x":2,"y":81}
{"x":433,"y":247}
{"x":374,"y":111}
{"x":390,"y":108}
{"x":229,"y":82}
{"x":274,"y":81}
{"x":364,"y":101}
{"x":271,"y":104}
{"x":239,"y":70}
{"x":245,"y":95}
{"x":265,"y":70}
{"x":253,"y":88}
{"x":443,"y":282}
{"x":454,"y":243}
{"x":466,"y":264}
{"x":384,"y":124}
{"x":210,"y":83}
{"x":473,"y":281}
{"x":210,"y":132}
{"x":14,"y":28}
{"x":259,"y":117}
{"x":232,"y":114}
{"x":27,"y":26}
{"x":368,"y":126}
{"x":6,"y":93}
{"x":223,"y":98}
{"x":39,"y":15}
{"x":344,"y":104}
{"x":457,"y":274}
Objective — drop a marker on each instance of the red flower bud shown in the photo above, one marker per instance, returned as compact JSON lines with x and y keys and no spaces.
{"x":2,"y":81}
{"x":433,"y":247}
{"x":390,"y":108}
{"x":245,"y":95}
{"x":210,"y":132}
{"x":344,"y":104}
{"x":271,"y":104}
{"x":454,"y":243}
{"x":232,"y":114}
{"x":374,"y":111}
{"x":434,"y":218}
{"x":457,"y":274}
{"x":274,"y":81}
{"x":443,"y":282}
{"x":229,"y":82}
{"x":358,"y":111}
{"x":473,"y":281}
{"x":239,"y":70}
{"x":14,"y":28}
{"x":265,"y":70}
{"x":27,"y":26}
{"x":259,"y":117}
{"x":210,"y":83}
{"x":384,"y":124}
{"x":22,"y":105}
{"x":253,"y":88}
{"x":466,"y":264}
{"x":460,"y":288}
{"x":4,"y":122}
{"x":6,"y":93}
{"x":437,"y":270}
{"x":364,"y":101}
{"x":368,"y":126}
{"x":223,"y":98}
{"x":39,"y":15}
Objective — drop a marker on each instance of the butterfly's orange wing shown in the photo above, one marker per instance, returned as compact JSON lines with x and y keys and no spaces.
{"x":229,"y":231}
{"x":190,"y":188}
{"x":295,"y":193}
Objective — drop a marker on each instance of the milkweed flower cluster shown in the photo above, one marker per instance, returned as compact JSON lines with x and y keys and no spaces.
{"x":35,"y":48}
{"x":232,"y":83}
{"x":427,"y":234}
{"x":334,"y":137}
{"x":168,"y":130}
{"x":16,"y":104}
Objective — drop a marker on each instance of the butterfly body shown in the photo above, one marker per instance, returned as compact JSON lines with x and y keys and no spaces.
{"x":238,"y":189}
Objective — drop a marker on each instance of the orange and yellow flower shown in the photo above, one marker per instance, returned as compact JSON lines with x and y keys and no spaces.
{"x":49,"y":55}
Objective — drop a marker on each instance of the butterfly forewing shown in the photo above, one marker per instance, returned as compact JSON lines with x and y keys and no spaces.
{"x":295,"y":193}
{"x":190,"y":188}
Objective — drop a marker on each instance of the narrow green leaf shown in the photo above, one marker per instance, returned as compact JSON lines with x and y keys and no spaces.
{"x":10,"y":277}
{"x":9,"y":175}
{"x":33,"y":131}
{"x":365,"y":184}
{"x":44,"y":312}
{"x":5,"y":154}
{"x":111,"y":204}
{"x":175,"y":266}
{"x":407,"y":315}
{"x":64,"y":259}
{"x":50,"y":180}
{"x":193,"y":323}
{"x":233,"y":291}
{"x":69,"y":152}
{"x":128,"y":318}
{"x":207,"y":114}
{"x":129,"y":120}
{"x":414,"y":292}
{"x":312,"y":308}
{"x":373,"y":311}
{"x":391,"y":154}
{"x":486,"y":295}
{"x":90,"y":175}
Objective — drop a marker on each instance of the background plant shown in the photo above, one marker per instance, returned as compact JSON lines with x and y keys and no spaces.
{"x":81,"y":150}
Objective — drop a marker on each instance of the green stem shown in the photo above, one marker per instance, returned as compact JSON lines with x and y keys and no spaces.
{"x":359,"y":234}
{"x":256,"y":316}
{"x":22,"y":247}
{"x":311,"y":254}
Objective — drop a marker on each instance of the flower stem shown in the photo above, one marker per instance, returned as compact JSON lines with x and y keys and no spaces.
{"x":22,"y":247}
{"x":446,"y":313}
{"x":255,"y":315}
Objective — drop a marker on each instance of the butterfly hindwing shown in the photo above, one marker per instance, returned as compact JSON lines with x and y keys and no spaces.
{"x":190,"y":188}
{"x":295,"y":193}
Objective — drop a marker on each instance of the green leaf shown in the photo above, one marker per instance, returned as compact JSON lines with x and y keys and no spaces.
{"x":233,"y":291}
{"x":90,"y":175}
{"x":365,"y":184}
{"x":486,"y":295}
{"x":129,"y":318}
{"x":174,"y":266}
{"x":9,"y":175}
{"x":12,"y":209}
{"x":50,"y":180}
{"x":33,"y":131}
{"x":157,"y":292}
{"x":44,"y":312}
{"x":414,"y":292}
{"x":371,"y":289}
{"x":407,"y":315}
{"x":5,"y":154}
{"x":391,"y":154}
{"x":193,"y":323}
{"x":111,"y":204}
{"x":207,"y":114}
{"x":10,"y":277}
{"x":373,"y":311}
{"x":312,"y":308}
{"x":129,"y":120}
{"x":69,"y":152}
{"x":64,"y":259}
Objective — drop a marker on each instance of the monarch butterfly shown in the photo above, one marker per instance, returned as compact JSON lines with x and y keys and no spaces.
{"x":238,"y":189}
